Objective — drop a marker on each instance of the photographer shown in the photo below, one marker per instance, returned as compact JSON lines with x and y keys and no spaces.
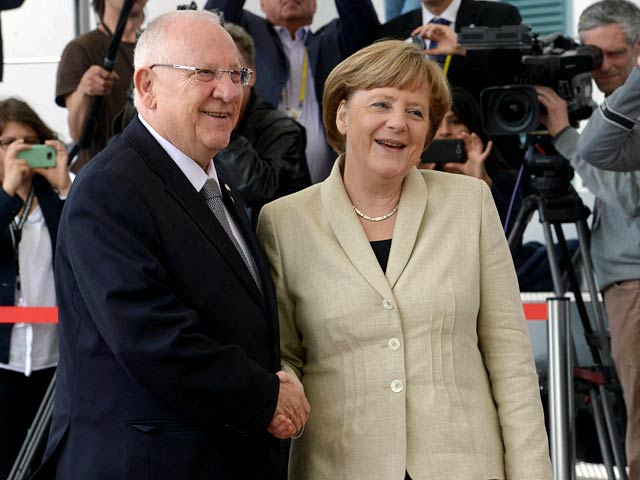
{"x":614,"y":27}
{"x":81,"y":76}
{"x":265,"y":156}
{"x":483,"y":159}
{"x":30,"y":207}
{"x":611,"y":138}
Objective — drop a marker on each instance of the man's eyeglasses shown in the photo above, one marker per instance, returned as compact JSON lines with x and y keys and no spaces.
{"x":5,"y":142}
{"x":239,"y":76}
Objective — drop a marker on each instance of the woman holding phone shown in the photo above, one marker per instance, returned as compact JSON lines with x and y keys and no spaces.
{"x":31,"y":201}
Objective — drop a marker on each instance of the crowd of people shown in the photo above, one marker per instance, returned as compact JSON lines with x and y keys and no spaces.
{"x":257,"y":275}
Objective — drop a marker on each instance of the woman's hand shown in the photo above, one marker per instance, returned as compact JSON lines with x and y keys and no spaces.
{"x":58,"y":176}
{"x":477,"y":154}
{"x":16,"y":170}
{"x":446,"y":37}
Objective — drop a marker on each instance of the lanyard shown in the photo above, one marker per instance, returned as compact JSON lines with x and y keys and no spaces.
{"x":295,"y":113}
{"x":16,"y":233}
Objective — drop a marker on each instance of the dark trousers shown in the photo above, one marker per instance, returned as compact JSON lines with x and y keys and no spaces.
{"x":20,"y":398}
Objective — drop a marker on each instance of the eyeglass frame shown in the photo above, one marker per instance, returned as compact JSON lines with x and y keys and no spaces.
{"x":217,"y":73}
{"x":4,"y":144}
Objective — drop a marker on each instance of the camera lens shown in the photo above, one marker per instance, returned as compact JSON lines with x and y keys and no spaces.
{"x":509,"y":110}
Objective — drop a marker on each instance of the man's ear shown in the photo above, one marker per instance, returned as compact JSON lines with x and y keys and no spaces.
{"x":341,"y":117}
{"x":144,"y":85}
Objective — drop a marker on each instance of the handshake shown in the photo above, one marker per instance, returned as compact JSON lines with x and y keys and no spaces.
{"x":292,"y":410}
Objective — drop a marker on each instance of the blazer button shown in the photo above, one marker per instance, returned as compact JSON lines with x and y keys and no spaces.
{"x":387,"y":304}
{"x":397,"y":386}
{"x":394,"y":344}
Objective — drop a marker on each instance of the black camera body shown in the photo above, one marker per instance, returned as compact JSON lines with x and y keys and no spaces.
{"x":517,"y":61}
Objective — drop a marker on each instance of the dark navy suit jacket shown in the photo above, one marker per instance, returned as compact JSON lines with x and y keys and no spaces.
{"x":355,"y":28}
{"x":167,"y":347}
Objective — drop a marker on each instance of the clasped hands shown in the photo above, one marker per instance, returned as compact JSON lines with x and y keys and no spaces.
{"x":292,"y":410}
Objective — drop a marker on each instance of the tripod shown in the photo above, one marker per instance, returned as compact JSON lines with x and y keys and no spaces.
{"x":558,"y":203}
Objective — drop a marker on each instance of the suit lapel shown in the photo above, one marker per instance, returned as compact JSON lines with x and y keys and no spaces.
{"x":189,"y":199}
{"x":413,"y":203}
{"x":348,"y":231}
{"x":466,"y":14}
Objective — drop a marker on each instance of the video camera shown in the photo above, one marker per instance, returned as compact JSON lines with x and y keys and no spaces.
{"x":517,"y":60}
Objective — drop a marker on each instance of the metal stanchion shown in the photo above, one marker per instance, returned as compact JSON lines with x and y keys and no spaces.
{"x":560,"y":390}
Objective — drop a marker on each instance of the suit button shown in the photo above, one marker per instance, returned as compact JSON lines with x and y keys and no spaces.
{"x":397,"y":386}
{"x":387,"y":304}
{"x":394,"y":344}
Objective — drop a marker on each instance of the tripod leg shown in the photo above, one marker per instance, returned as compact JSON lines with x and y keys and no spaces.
{"x":598,"y":310}
{"x":556,"y":275}
{"x":602,"y":436}
{"x":618,"y":450}
{"x":35,"y":434}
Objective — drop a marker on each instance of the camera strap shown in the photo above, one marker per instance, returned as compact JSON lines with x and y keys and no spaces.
{"x":16,"y":233}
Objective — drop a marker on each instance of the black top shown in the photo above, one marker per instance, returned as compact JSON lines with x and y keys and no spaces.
{"x":381,"y":249}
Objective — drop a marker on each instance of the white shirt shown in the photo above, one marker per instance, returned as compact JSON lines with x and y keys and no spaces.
{"x":450,"y":14}
{"x":320,"y":158}
{"x":197,"y":177}
{"x":34,"y":346}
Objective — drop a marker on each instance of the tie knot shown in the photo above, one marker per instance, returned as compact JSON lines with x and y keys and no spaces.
{"x":210,"y":189}
{"x":440,"y":21}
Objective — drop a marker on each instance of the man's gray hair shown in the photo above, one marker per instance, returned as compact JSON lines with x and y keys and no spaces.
{"x":152,"y":46}
{"x":608,"y":12}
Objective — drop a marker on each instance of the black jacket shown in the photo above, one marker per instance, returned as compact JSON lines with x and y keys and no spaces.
{"x":51,"y":207}
{"x":467,"y":72}
{"x":265,"y":159}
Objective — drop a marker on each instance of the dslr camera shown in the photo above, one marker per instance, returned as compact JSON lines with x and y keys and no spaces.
{"x":517,"y":60}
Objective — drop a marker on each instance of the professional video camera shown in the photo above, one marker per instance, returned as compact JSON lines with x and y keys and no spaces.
{"x":518,"y":60}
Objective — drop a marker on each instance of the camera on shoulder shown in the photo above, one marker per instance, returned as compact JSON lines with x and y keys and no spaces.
{"x":517,"y":60}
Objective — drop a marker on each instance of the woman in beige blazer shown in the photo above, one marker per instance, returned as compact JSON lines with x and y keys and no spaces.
{"x":399,"y":305}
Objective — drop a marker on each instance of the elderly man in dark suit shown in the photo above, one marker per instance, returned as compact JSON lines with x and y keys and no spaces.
{"x":168,"y":323}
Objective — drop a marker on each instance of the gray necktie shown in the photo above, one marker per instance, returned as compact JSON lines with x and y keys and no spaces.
{"x":211,"y":193}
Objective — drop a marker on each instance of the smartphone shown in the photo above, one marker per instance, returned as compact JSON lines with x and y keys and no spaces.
{"x":445,"y":151}
{"x":39,"y":156}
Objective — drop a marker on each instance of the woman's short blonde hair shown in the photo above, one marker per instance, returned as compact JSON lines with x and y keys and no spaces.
{"x":388,"y":63}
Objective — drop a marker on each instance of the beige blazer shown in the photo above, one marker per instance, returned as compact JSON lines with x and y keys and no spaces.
{"x":426,"y":368}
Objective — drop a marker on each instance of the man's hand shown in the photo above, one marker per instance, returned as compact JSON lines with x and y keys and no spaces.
{"x":292,"y":409}
{"x":557,"y":117}
{"x":97,"y":81}
{"x":446,"y":37}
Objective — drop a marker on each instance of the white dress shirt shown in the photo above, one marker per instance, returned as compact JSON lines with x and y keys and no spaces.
{"x":449,"y":13}
{"x":34,"y":346}
{"x":320,"y":158}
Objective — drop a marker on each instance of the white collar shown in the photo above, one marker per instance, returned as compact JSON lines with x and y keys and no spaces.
{"x":187,"y":165}
{"x":300,"y":36}
{"x":450,"y":13}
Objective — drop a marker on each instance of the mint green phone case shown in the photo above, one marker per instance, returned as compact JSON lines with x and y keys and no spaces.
{"x":39,"y":156}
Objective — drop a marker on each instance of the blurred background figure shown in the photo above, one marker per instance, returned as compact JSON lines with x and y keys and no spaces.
{"x":266,"y":155}
{"x":81,"y":75}
{"x":483,"y":159}
{"x":6,"y":5}
{"x":295,"y":61}
{"x":31,"y":201}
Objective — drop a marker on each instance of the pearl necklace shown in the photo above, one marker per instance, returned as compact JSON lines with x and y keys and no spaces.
{"x":375,"y":219}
